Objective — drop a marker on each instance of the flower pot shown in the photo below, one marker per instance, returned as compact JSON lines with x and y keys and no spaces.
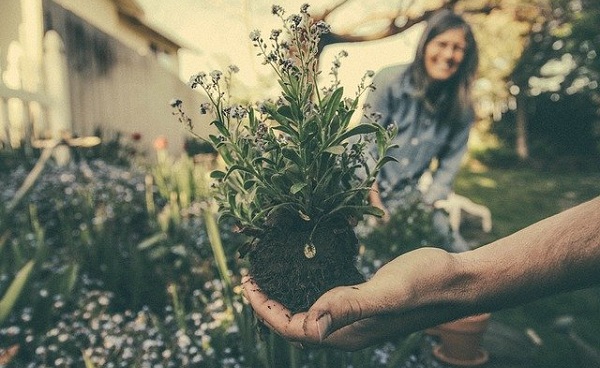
{"x":460,"y":341}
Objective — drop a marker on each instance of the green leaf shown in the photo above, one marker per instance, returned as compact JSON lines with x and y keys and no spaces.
{"x":267,"y":211}
{"x":70,"y":279}
{"x":294,"y":84}
{"x":297,"y":187}
{"x":221,"y":127}
{"x":284,"y":87}
{"x":332,"y":103}
{"x":277,"y":116}
{"x":366,"y":128}
{"x":293,"y":156}
{"x":346,"y":196}
{"x":336,"y":150}
{"x":375,"y":211}
{"x":311,"y":132}
{"x":235,"y":168}
{"x":287,"y":130}
{"x":287,"y":112}
{"x":217,"y":174}
{"x":15,"y":289}
{"x":252,"y":121}
{"x":384,"y":138}
{"x":346,"y":117}
{"x":231,"y":202}
{"x":260,"y":160}
{"x":384,"y":161}
{"x":279,"y":181}
{"x":308,"y":92}
{"x":249,"y":184}
{"x":214,"y":140}
{"x":335,"y":126}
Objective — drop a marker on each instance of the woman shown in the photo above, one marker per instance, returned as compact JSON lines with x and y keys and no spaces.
{"x":430,"y":103}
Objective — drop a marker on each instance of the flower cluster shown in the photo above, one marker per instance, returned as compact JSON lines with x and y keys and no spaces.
{"x":89,"y":330}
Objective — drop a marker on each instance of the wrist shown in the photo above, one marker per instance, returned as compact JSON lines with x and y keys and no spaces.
{"x":436,"y":278}
{"x":450,"y":290}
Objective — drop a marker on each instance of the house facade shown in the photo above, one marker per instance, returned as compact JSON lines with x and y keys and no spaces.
{"x":77,"y":67}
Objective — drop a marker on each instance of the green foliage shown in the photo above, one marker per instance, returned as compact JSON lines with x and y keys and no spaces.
{"x":410,"y":227}
{"x":76,"y":308}
{"x":9,"y":298}
{"x":298,"y":154}
{"x":554,"y":84}
{"x":106,"y":242}
{"x":63,"y":317}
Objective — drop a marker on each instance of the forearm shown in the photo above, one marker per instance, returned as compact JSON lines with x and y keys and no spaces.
{"x":560,"y":253}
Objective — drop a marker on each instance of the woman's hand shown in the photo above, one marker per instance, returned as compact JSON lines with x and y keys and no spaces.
{"x":375,"y":200}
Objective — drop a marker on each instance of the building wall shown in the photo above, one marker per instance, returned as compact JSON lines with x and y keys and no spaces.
{"x":111,"y":86}
{"x":117,"y":89}
{"x":103,"y":14}
{"x":9,"y":27}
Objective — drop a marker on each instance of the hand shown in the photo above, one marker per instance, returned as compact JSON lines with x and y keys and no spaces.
{"x":353,"y":317}
{"x":428,"y":286}
{"x":375,"y":200}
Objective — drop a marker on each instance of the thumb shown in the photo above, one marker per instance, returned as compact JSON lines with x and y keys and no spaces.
{"x":335,"y":309}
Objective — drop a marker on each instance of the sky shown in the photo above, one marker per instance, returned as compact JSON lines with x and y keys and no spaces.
{"x":216,"y":34}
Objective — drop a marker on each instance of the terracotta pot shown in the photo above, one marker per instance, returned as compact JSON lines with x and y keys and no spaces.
{"x":460,"y":341}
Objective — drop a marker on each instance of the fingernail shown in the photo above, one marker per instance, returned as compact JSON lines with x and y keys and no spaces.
{"x":323,"y":326}
{"x":245,"y":279}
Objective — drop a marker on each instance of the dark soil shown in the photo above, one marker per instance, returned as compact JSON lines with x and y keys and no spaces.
{"x":281,"y":268}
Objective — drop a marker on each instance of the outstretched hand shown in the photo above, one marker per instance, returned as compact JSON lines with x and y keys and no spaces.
{"x":353,"y":317}
{"x":429,"y":286}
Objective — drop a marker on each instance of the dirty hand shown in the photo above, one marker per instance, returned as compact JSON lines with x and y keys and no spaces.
{"x":354,"y":317}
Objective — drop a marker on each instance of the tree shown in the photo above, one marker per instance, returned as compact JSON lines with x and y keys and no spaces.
{"x":560,"y":60}
{"x":385,"y":19}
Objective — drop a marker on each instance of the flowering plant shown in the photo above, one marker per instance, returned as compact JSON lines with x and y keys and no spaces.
{"x":295,"y":163}
{"x":294,"y":153}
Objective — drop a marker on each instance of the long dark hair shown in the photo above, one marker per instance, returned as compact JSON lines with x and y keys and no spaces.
{"x":454,"y":98}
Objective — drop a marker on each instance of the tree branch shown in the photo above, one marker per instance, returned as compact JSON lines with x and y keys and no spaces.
{"x":392,"y":28}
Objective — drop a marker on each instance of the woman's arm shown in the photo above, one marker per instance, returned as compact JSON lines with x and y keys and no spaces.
{"x":375,"y":200}
{"x":449,"y":161}
{"x":429,"y":286}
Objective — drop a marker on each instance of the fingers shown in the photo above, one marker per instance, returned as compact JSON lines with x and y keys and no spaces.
{"x":337,"y":319}
{"x":274,"y":314}
{"x":335,"y":309}
{"x":271,"y":312}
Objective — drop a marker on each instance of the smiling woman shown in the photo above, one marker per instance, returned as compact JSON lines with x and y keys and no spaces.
{"x":430,"y":104}
{"x":444,"y":54}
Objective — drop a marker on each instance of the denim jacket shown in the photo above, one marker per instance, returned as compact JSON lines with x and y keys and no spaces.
{"x":421,"y":138}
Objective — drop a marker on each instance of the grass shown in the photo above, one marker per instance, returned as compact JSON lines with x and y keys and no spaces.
{"x":518,"y":198}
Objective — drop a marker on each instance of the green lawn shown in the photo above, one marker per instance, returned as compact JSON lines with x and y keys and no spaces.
{"x":518,"y":198}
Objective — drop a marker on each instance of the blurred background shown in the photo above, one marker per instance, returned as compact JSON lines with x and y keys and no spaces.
{"x":106,"y":217}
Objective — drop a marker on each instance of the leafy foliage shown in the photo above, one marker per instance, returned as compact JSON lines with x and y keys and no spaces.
{"x":410,"y":227}
{"x":298,"y":154}
{"x":124,"y":276}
